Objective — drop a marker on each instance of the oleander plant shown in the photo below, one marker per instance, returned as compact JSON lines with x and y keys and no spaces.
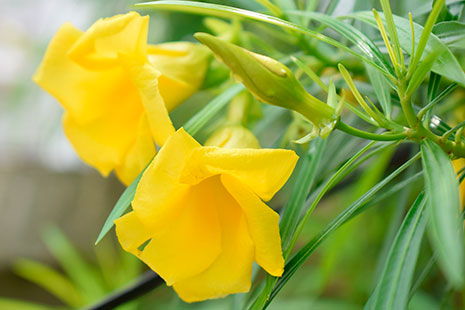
{"x":287,"y":154}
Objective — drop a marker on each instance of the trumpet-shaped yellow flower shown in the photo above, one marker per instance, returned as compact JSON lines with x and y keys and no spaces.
{"x":198,"y":218}
{"x":117,"y":90}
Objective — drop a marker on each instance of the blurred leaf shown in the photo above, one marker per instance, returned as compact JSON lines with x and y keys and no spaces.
{"x":445,"y":227}
{"x":202,"y":117}
{"x":382,"y":90}
{"x":192,"y":126}
{"x":14,"y":304}
{"x":230,"y":12}
{"x":446,"y":64}
{"x":303,"y":184}
{"x":79,"y":271}
{"x":276,"y":284}
{"x":451,"y":33}
{"x":49,"y":279}
{"x":359,"y":39}
{"x":394,"y":284}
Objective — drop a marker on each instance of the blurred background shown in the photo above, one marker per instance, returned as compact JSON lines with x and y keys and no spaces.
{"x":52,"y":206}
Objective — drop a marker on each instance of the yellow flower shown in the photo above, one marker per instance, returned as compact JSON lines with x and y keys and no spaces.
{"x":117,"y":90}
{"x":198,"y":218}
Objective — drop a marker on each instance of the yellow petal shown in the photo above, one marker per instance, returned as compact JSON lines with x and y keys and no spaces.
{"x":104,"y":142}
{"x":145,"y":78}
{"x":231,"y":271}
{"x":65,"y":80}
{"x":263,"y":224}
{"x":107,"y":39}
{"x":139,"y":155}
{"x":182,"y":66}
{"x":159,"y":191}
{"x":131,"y":232}
{"x":192,"y":240}
{"x":265,"y":170}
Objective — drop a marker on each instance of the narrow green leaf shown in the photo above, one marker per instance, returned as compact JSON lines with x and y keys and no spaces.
{"x":270,"y":291}
{"x":445,"y":226}
{"x":393,"y":287}
{"x":202,"y":117}
{"x":359,"y":39}
{"x":192,"y":127}
{"x":231,"y":12}
{"x":446,"y":64}
{"x":452,"y":33}
{"x":123,"y":203}
{"x":382,"y":90}
{"x":49,"y":279}
{"x":303,"y":185}
{"x":15,"y":304}
{"x":420,"y":73}
{"x":79,"y":271}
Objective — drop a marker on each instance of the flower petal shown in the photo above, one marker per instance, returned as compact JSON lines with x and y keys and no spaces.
{"x":81,"y":92}
{"x":263,"y":170}
{"x":145,"y":78}
{"x":183,"y":66}
{"x":131,"y":232}
{"x":159,"y":192}
{"x":263,"y":225}
{"x":139,"y":155}
{"x":192,"y":240}
{"x":105,"y":141}
{"x":109,"y":38}
{"x":231,"y":271}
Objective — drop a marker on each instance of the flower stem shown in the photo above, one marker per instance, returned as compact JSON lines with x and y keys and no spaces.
{"x":368,"y":135}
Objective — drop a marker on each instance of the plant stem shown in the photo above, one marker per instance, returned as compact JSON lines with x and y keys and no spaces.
{"x":368,"y":135}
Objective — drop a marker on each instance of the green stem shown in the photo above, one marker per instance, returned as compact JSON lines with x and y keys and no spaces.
{"x":368,"y":135}
{"x":407,"y":107}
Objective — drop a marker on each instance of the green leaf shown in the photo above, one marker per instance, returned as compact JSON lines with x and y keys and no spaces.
{"x":303,"y":184}
{"x":360,"y":40}
{"x":123,"y":203}
{"x":202,"y":117}
{"x":392,"y":290}
{"x":232,"y":12}
{"x":15,"y":304}
{"x":420,"y":73}
{"x":270,"y":291}
{"x":452,"y":33}
{"x":445,"y":226}
{"x":446,"y":64}
{"x":79,"y":271}
{"x":382,"y":90}
{"x":192,"y":127}
{"x":49,"y":279}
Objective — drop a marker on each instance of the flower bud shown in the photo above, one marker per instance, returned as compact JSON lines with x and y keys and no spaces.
{"x":270,"y":81}
{"x":231,"y":137}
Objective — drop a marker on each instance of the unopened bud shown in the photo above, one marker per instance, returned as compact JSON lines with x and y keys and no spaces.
{"x":233,"y":137}
{"x":271,"y":82}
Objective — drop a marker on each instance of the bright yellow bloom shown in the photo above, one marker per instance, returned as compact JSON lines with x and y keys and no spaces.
{"x":117,"y":90}
{"x":201,"y":211}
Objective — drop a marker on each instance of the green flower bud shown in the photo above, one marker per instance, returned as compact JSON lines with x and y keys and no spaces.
{"x":271,"y":82}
